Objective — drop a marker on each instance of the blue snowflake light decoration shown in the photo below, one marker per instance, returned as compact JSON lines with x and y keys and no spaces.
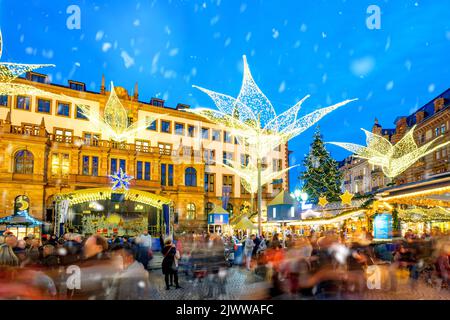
{"x":120,"y":180}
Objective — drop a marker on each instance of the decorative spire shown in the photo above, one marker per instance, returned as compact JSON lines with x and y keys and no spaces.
{"x":8,"y":118}
{"x":42,"y":125}
{"x":102,"y":88}
{"x":42,"y":131}
{"x":376,"y":121}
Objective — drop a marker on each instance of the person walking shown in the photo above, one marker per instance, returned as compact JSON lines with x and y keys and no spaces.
{"x":249,"y":244}
{"x":170,"y":264}
{"x":144,"y":242}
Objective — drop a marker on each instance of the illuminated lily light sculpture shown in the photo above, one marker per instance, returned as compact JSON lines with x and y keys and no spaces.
{"x":393,"y":159}
{"x":114,"y":123}
{"x":10,"y":71}
{"x":254,"y":122}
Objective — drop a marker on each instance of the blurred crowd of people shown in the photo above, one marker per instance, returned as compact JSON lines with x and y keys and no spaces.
{"x":323,"y":265}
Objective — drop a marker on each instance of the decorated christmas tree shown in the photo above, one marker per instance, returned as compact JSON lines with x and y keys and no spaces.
{"x":321,"y":176}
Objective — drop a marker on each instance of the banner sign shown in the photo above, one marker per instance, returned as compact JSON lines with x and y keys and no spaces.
{"x":217,"y":218}
{"x":226,"y":191}
{"x":382,"y":226}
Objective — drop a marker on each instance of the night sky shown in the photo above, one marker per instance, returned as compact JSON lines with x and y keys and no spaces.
{"x":294,"y":48}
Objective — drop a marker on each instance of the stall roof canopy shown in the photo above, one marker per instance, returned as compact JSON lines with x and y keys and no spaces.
{"x":20,"y":219}
{"x":434,"y":191}
{"x":245,"y":224}
{"x":219,"y":210}
{"x":282,"y":198}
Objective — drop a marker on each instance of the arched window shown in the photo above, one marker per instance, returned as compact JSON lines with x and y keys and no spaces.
{"x":190,"y":211}
{"x":208,"y":208}
{"x":190,"y":177}
{"x":230,"y":209}
{"x":23,"y":162}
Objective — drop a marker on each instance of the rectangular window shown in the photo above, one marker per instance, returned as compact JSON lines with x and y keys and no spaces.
{"x":95,"y":166}
{"x":227,"y":156}
{"x":63,"y":135}
{"x":139,"y":170}
{"x":63,"y":109}
{"x":205,"y":133}
{"x":228,"y":182}
{"x":165,"y":126}
{"x":147,"y":171}
{"x":165,"y":148}
{"x":436,"y":131}
{"x":43,"y":106}
{"x":277,"y":164}
{"x":443,"y":129}
{"x":209,"y":182}
{"x":215,"y":135}
{"x":191,"y":131}
{"x":80,"y":114}
{"x":243,"y":190}
{"x":60,"y":164}
{"x":245,"y":159}
{"x":226,"y":137}
{"x":123,"y":165}
{"x":113,"y":166}
{"x":85,"y":170}
{"x":3,"y":100}
{"x":179,"y":129}
{"x":163,"y":174}
{"x":142,"y":145}
{"x":76,"y":86}
{"x":170,"y":179}
{"x":152,"y":126}
{"x":23,"y":103}
{"x":209,"y":156}
{"x":38,"y":78}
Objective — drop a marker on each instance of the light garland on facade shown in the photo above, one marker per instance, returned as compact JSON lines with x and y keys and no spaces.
{"x":393,"y":159}
{"x":424,"y":215}
{"x":98,"y":194}
{"x":434,"y":191}
{"x":114,"y":123}
{"x":15,"y":89}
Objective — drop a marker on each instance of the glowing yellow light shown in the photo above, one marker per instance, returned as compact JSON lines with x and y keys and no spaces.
{"x":393,"y":159}
{"x":331,"y":220}
{"x":114,"y":123}
{"x":346,"y":198}
{"x":323,"y":201}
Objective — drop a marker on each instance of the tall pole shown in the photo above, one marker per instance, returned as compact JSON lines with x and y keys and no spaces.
{"x":259,"y":197}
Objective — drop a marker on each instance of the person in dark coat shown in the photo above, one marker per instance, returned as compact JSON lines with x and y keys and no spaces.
{"x":170,"y":263}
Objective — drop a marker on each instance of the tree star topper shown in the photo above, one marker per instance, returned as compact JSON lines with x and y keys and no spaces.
{"x":120,"y":180}
{"x":346,"y":198}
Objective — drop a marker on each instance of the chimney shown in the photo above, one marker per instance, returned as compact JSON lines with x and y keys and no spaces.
{"x":136,"y":92}
{"x":102,"y":87}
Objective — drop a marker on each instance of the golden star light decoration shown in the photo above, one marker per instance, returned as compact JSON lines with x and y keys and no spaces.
{"x":346,"y":198}
{"x":393,"y":159}
{"x":114,"y":123}
{"x":323,"y":201}
{"x":252,"y":119}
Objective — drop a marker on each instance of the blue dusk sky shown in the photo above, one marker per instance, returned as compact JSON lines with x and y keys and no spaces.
{"x":321,"y":47}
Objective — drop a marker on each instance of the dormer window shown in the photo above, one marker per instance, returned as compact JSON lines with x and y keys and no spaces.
{"x":37,"y":77}
{"x":79,"y":86}
{"x":157,"y":102}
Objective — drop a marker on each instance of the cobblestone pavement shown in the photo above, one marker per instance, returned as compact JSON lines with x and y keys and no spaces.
{"x":241,"y":284}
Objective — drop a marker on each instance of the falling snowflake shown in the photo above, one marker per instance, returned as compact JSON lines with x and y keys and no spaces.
{"x":303,"y":28}
{"x":106,"y":46}
{"x":173,"y":52}
{"x":127,"y":59}
{"x":136,"y":23}
{"x":214,"y":20}
{"x":248,"y":36}
{"x":390,"y":85}
{"x":227,"y":42}
{"x":363,"y":66}
{"x":99,"y":35}
{"x":275,"y":33}
{"x":282,"y":87}
{"x":431,"y":87}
